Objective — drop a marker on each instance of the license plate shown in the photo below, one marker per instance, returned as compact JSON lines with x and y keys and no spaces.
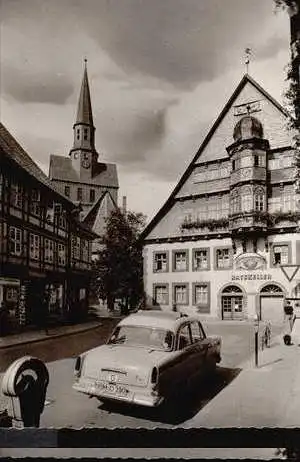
{"x":111,"y":388}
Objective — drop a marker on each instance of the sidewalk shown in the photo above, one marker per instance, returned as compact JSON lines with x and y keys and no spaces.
{"x":266,"y":396}
{"x":40,"y":335}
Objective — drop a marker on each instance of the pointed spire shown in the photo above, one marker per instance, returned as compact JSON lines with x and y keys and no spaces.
{"x":84,"y":110}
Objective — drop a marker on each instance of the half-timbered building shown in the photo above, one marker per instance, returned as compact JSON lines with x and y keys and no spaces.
{"x":45,"y":252}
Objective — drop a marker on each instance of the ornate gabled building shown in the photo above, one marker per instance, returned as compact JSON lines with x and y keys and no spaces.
{"x":45,"y":251}
{"x":80,"y":177}
{"x":226,"y":243}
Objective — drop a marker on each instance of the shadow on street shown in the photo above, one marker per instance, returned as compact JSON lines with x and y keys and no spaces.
{"x":189,"y":404}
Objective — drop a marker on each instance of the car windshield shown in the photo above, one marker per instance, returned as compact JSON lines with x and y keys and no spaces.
{"x":157,"y":339}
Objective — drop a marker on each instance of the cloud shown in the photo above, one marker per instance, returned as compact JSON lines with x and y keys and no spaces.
{"x":32,"y":87}
{"x":182,"y":42}
{"x":271,"y":47}
{"x":160,"y":71}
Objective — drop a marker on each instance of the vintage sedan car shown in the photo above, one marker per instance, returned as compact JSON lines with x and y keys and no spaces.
{"x":149,"y":356}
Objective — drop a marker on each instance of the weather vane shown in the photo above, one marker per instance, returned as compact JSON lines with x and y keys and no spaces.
{"x":248,"y":53}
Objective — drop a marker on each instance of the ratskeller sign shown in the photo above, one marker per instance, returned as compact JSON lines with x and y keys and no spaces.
{"x":251,"y":277}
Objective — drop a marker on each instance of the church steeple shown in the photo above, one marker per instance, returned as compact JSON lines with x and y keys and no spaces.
{"x":84,"y":110}
{"x":83,"y":152}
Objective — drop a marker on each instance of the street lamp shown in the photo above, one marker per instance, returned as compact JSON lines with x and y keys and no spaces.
{"x":256,"y":329}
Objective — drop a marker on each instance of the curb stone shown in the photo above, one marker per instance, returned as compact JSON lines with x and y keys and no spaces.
{"x":50,"y":336}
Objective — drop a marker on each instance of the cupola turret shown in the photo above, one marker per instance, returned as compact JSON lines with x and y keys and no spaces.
{"x":248,"y":127}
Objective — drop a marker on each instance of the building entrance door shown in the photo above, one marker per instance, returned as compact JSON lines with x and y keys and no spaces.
{"x":271,"y":304}
{"x":232,"y":303}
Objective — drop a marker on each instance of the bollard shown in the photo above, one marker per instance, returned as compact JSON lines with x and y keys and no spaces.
{"x":256,"y":348}
{"x":256,"y":327}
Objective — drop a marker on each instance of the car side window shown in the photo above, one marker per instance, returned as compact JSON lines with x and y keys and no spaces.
{"x":184,"y":337}
{"x":197,"y":332}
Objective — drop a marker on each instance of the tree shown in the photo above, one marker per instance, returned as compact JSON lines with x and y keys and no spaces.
{"x":293,"y":93}
{"x":119,"y":268}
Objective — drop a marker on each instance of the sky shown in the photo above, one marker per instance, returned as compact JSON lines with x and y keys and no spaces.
{"x":160,"y":71}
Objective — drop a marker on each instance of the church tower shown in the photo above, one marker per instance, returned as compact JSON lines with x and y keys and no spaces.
{"x":83,"y":153}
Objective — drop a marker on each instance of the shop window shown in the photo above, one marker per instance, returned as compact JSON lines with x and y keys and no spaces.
{"x":160,"y":263}
{"x":223,"y":258}
{"x":200,"y":259}
{"x":180,"y":260}
{"x":161,"y":294}
{"x":181,"y":295}
{"x":34,"y":247}
{"x":12,"y":294}
{"x":15,"y":241}
{"x":281,"y":254}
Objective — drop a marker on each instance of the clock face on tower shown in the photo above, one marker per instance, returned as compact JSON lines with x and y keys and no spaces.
{"x":85,"y":163}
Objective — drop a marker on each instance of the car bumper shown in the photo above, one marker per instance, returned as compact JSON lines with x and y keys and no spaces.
{"x":149,"y":399}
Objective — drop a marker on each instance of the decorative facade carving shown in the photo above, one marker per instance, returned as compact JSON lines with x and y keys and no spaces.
{"x":247,"y":108}
{"x":249,"y":261}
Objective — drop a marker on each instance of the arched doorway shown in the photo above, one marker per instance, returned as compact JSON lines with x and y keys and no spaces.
{"x":271,"y":304}
{"x":232,"y":300}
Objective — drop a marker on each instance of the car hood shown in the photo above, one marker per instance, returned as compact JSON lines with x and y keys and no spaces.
{"x":129,"y":364}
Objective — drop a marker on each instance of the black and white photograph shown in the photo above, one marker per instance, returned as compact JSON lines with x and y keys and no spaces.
{"x":150,"y":220}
